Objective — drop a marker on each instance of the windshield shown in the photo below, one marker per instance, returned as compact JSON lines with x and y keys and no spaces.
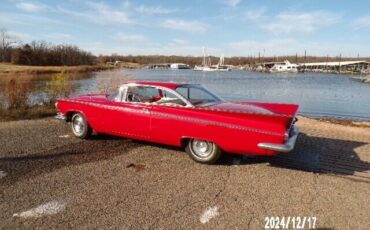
{"x":197,"y":95}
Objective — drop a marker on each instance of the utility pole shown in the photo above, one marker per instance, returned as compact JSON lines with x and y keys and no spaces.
{"x":259,"y":57}
{"x":340,"y":59}
{"x":296,"y":58}
{"x":304,"y":65}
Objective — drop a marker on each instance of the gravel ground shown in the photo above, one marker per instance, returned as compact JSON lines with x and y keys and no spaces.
{"x":49,"y":179}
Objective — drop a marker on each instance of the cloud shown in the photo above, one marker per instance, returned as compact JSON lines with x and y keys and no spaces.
{"x":362,"y":22}
{"x":30,"y":7}
{"x":129,"y":37}
{"x":306,"y":22}
{"x":187,"y":26}
{"x":233,"y":3}
{"x":274,"y":46}
{"x":155,"y":10}
{"x":256,"y":14}
{"x":179,"y":41}
{"x":100,"y":13}
{"x":27,"y":19}
{"x":108,"y":14}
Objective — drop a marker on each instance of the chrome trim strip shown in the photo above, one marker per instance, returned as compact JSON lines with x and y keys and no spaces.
{"x":175,"y":117}
{"x":287,"y":147}
{"x":221,"y":124}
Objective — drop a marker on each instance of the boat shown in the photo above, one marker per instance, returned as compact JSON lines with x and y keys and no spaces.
{"x":179,"y":66}
{"x":208,"y":67}
{"x":221,"y":65}
{"x":365,"y":79}
{"x":287,"y":67}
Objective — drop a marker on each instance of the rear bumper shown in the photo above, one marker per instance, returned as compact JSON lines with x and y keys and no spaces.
{"x":286,"y":147}
{"x":60,"y":116}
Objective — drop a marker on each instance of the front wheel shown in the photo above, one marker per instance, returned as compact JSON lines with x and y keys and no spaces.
{"x":80,"y":127}
{"x":203,"y":151}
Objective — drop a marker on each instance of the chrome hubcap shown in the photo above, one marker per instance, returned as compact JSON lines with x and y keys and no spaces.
{"x":78,"y":125}
{"x":201,"y":148}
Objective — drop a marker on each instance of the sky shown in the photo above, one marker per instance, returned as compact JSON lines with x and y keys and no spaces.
{"x":178,"y":27}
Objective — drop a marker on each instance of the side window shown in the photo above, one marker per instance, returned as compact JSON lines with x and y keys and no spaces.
{"x":170,"y":99}
{"x":141,"y":94}
{"x":116,"y":96}
{"x":184,"y":91}
{"x":169,"y":95}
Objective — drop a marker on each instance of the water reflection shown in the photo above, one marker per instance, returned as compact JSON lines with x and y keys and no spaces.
{"x":319,"y":94}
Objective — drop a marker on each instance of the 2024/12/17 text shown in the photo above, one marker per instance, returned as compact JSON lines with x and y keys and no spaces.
{"x":294,"y":222}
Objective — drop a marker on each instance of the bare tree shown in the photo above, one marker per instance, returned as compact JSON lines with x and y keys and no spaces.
{"x":6,"y":43}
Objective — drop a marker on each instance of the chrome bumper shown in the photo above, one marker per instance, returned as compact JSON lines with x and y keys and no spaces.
{"x":287,"y":147}
{"x":60,"y":116}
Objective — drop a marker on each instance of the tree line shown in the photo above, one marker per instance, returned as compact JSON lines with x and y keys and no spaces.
{"x":41,"y":53}
{"x":237,"y":61}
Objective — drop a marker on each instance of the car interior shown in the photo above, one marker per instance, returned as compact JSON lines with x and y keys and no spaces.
{"x":153,"y":95}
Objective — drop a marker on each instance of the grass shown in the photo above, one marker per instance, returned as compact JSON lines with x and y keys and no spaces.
{"x":16,"y":85}
{"x":34,"y":112}
{"x":7,"y":69}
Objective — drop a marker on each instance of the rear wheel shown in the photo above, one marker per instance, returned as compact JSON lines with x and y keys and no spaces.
{"x":80,"y":127}
{"x":203,"y":151}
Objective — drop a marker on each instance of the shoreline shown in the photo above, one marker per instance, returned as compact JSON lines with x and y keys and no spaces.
{"x":7,"y":69}
{"x":343,"y":122}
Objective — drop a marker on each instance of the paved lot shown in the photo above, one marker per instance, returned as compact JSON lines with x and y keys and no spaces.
{"x":49,"y":179}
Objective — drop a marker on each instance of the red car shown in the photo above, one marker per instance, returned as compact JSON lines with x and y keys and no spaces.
{"x":184,"y":115}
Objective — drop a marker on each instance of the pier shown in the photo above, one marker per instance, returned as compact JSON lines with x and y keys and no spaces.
{"x":344,"y":67}
{"x":158,"y":66}
{"x":339,"y":67}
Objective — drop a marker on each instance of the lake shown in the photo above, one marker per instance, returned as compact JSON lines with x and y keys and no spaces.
{"x":318,"y":94}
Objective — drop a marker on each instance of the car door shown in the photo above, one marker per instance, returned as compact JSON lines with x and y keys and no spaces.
{"x":129,"y":118}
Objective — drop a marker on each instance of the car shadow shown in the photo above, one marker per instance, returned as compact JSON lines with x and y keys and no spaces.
{"x":314,"y":154}
{"x":98,"y":148}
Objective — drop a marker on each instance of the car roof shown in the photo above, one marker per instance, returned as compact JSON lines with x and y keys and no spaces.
{"x":170,"y":85}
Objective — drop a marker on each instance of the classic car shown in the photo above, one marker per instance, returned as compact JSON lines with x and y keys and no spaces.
{"x":184,"y":115}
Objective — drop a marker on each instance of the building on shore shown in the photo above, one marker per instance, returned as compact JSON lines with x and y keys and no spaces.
{"x":351,"y":67}
{"x":336,"y":67}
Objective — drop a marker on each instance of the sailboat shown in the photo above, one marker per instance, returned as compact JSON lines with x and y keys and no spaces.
{"x":221,"y":65}
{"x":207,"y":65}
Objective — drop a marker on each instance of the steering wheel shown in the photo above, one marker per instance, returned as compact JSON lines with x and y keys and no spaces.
{"x":133,"y":98}
{"x":136,"y":98}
